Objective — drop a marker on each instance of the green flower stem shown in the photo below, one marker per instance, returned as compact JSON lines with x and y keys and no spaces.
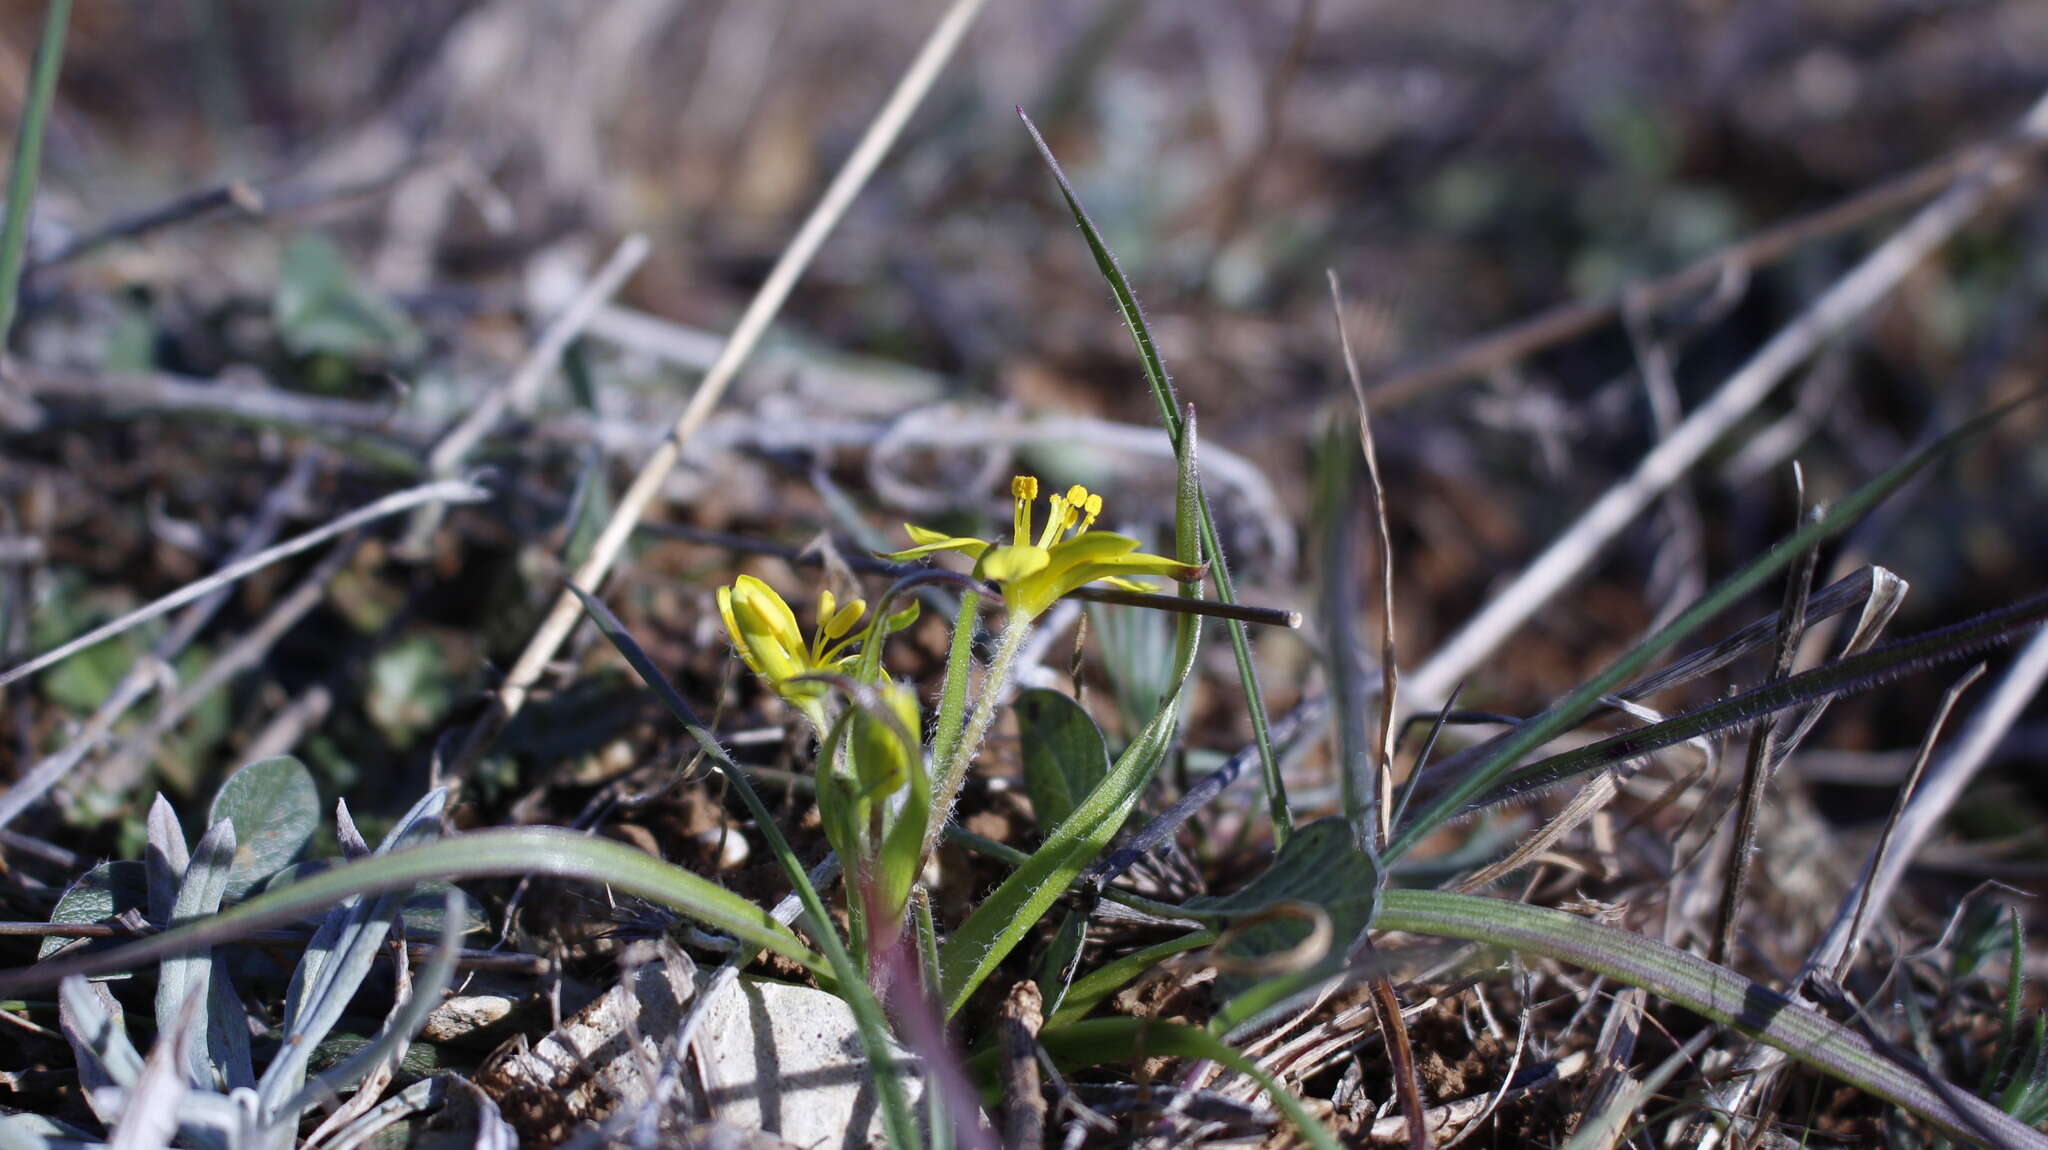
{"x":950,"y":772}
{"x":953,"y":694}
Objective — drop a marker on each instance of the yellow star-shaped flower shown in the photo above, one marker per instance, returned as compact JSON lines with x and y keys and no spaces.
{"x":764,"y":631}
{"x":1065,"y":556}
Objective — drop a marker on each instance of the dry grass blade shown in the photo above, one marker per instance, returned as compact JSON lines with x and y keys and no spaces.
{"x":1860,"y":588}
{"x":882,"y":132}
{"x":523,"y":387}
{"x":1518,"y":341}
{"x":1845,"y":675}
{"x":1380,"y":808}
{"x":1763,"y":745}
{"x":444,"y":491}
{"x":1891,"y":825}
{"x":1400,"y":1051}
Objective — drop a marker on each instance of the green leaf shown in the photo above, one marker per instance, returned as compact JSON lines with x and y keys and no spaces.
{"x":422,"y":908}
{"x":515,"y":853}
{"x":1064,"y":755}
{"x":321,"y":307}
{"x":103,"y":892}
{"x":1091,"y":988}
{"x":28,"y":157}
{"x":1322,"y":865}
{"x":275,"y":808}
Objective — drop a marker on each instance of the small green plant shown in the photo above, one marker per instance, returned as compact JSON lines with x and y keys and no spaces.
{"x":199,"y":1080}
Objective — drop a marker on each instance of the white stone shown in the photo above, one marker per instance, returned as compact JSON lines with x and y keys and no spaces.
{"x":788,"y":1060}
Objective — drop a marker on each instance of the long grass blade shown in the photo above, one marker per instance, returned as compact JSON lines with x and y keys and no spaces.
{"x":1855,"y":673}
{"x":1169,"y":417}
{"x":28,"y":159}
{"x":515,"y":852}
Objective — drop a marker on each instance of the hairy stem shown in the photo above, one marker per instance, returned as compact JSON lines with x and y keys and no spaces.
{"x":950,"y":772}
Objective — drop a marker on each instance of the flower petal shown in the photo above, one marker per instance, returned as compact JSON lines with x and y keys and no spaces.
{"x":732,"y":629}
{"x":930,"y":542}
{"x":1011,"y":563}
{"x":1092,"y":547}
{"x":773,"y":614}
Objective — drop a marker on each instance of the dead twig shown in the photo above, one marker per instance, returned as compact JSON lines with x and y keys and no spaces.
{"x":140,"y":679}
{"x":1756,"y":773}
{"x":1023,"y":1012}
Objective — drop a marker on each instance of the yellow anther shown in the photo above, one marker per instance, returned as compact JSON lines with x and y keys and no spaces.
{"x":1024,"y":488}
{"x":836,"y":623}
{"x":1093,"y":508}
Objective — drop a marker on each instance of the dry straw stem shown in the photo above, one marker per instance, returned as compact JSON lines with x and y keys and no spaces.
{"x":746,"y":335}
{"x":1842,"y":305}
{"x":1390,"y":672}
{"x":126,"y":767}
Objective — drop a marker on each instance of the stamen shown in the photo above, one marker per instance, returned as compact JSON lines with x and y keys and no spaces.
{"x":827,"y":602}
{"x":1093,"y":507}
{"x":1055,"y":523}
{"x":1024,"y":489}
{"x":1077,"y":497}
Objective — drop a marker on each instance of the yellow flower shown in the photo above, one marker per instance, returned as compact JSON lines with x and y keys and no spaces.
{"x":764,"y":631}
{"x":1065,"y":556}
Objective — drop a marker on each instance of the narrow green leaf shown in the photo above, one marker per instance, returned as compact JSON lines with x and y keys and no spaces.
{"x":953,"y":691}
{"x":1856,"y":672}
{"x":516,"y":852}
{"x":28,"y":158}
{"x":1170,"y":417}
{"x":1090,"y":989}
